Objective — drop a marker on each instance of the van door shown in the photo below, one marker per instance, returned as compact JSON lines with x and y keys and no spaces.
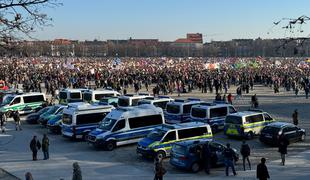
{"x":167,"y":141}
{"x":16,"y":104}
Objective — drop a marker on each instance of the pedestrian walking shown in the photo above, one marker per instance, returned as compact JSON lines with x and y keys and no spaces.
{"x":245,"y":152}
{"x":254,"y":101}
{"x":283,"y":148}
{"x":160,"y":171}
{"x":77,"y":173}
{"x":2,"y":122}
{"x":262,"y":170}
{"x":229,"y":159}
{"x":28,"y":176}
{"x":45,"y":147}
{"x":206,"y":155}
{"x":35,"y":145}
{"x":16,"y":118}
{"x":295,"y":117}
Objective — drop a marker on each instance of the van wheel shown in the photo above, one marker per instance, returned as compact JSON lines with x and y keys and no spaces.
{"x":110,"y":145}
{"x":195,"y":167}
{"x":8,"y":114}
{"x":250,"y":135}
{"x":303,"y":137}
{"x":161,"y":154}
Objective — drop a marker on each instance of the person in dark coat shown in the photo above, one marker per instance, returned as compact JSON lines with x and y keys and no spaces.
{"x":2,"y":122}
{"x":229,"y":159}
{"x":262,"y":170}
{"x":206,"y":155}
{"x":45,"y":145}
{"x":283,"y":143}
{"x":16,"y":118}
{"x":77,"y":173}
{"x":34,"y":146}
{"x":160,"y":171}
{"x":245,"y":152}
{"x":295,"y":117}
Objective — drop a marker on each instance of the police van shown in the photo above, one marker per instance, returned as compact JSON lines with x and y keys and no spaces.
{"x":212,"y":113}
{"x":160,"y":101}
{"x":159,"y":142}
{"x":22,"y":102}
{"x":125,"y":126}
{"x":71,"y":95}
{"x":131,"y":99}
{"x":93,"y":96}
{"x":246,"y":124}
{"x":179,"y":110}
{"x":81,"y":118}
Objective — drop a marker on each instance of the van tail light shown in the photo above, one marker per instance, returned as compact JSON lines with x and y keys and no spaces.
{"x":182,"y":158}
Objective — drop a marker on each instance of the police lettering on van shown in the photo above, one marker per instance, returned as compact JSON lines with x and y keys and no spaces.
{"x":81,"y":118}
{"x":246,"y":124}
{"x":159,"y":142}
{"x":126,"y":125}
{"x":211,"y":113}
{"x":179,"y":110}
{"x":24,"y":103}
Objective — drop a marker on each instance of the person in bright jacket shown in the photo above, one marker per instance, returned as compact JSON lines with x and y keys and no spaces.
{"x":45,"y":145}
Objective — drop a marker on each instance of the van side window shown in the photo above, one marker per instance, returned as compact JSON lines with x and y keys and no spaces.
{"x":16,"y":100}
{"x":267,"y":117}
{"x":145,"y":121}
{"x":254,"y":118}
{"x":134,"y":102}
{"x":90,"y":118}
{"x":231,"y":110}
{"x":187,"y":108}
{"x":192,"y":132}
{"x":161,"y":104}
{"x":36,"y":98}
{"x":120,"y":125}
{"x":218,"y":112}
{"x":170,"y":137}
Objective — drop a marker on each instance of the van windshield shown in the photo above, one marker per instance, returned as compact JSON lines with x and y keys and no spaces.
{"x":67,"y":119}
{"x":199,"y":113}
{"x":156,"y":135}
{"x":52,"y":110}
{"x":233,"y":120}
{"x":173,"y":109}
{"x":75,"y":95}
{"x":107,"y":124}
{"x":123,"y":102}
{"x":7,"y":100}
{"x":62,"y":95}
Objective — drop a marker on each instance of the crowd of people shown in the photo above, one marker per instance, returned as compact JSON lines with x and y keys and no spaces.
{"x":170,"y":75}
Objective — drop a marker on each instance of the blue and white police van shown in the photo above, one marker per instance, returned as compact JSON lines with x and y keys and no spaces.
{"x":179,"y":110}
{"x":131,"y":99}
{"x":94,"y":96}
{"x":160,"y":101}
{"x":81,"y":118}
{"x":212,"y":113}
{"x":125,"y":126}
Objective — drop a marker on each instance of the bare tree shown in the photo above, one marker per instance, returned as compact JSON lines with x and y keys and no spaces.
{"x":19,"y":18}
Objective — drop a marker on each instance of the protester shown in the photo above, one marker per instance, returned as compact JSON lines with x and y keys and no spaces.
{"x":229,"y":159}
{"x":283,"y":143}
{"x":262,"y":170}
{"x":77,"y":173}
{"x":34,"y":146}
{"x":295,"y":117}
{"x":245,"y":152}
{"x":45,"y":146}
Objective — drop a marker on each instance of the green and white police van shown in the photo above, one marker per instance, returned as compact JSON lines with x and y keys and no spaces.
{"x":22,"y":102}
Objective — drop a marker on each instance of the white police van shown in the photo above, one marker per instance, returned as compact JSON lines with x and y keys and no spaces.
{"x":93,"y":96}
{"x":179,"y":110}
{"x":212,"y":113}
{"x":71,"y":95}
{"x":126,"y":125}
{"x":81,"y":118}
{"x":131,"y":99}
{"x":160,"y":101}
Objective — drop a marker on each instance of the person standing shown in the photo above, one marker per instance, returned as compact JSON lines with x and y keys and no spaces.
{"x":159,"y":169}
{"x":283,"y":148}
{"x":34,"y":146}
{"x":206,"y":155}
{"x":28,"y":176}
{"x":77,"y":173}
{"x":295,"y":117}
{"x":45,"y":145}
{"x":229,"y":159}
{"x":16,"y":118}
{"x":262,"y":170}
{"x":245,"y":152}
{"x":2,"y":122}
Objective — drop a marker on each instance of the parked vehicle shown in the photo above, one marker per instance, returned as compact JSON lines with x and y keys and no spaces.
{"x":125,"y":126}
{"x":52,"y":112}
{"x":81,"y":118}
{"x":186,"y":155}
{"x":211,"y":113}
{"x":22,"y":102}
{"x":246,"y":124}
{"x":34,"y":117}
{"x":159,"y":141}
{"x":53,"y":125}
{"x":160,"y":101}
{"x":94,"y":96}
{"x":272,"y":132}
{"x":179,"y":110}
{"x":109,"y":101}
{"x":131,"y":99}
{"x":71,"y":95}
